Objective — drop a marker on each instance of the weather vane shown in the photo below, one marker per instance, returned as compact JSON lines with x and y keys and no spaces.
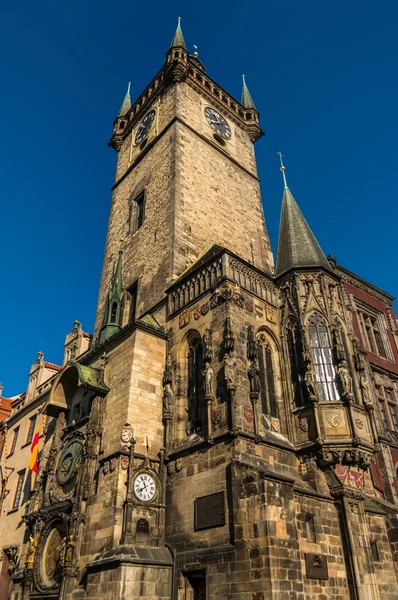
{"x":283,"y":168}
{"x":196,"y":53}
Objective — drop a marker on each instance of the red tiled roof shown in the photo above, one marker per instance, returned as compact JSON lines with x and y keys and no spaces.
{"x":52,"y":366}
{"x":87,"y":335}
{"x":5,"y":403}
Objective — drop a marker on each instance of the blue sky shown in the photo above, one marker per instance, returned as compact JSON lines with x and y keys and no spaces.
{"x":323,"y":76}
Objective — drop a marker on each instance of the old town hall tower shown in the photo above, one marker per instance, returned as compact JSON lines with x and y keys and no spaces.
{"x":222,"y":436}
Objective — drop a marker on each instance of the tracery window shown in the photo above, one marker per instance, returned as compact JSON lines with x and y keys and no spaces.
{"x":269,"y":403}
{"x":195,"y":394}
{"x":373,"y":327}
{"x":325,"y":374}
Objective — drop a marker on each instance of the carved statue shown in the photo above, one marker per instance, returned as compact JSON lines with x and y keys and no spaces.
{"x":345,"y":378}
{"x":230,"y":368}
{"x":70,"y":547}
{"x":365,"y":388}
{"x":310,"y":384}
{"x":208,"y":375}
{"x":207,"y":346}
{"x":167,"y":399}
{"x":254,"y":377}
{"x":31,"y":551}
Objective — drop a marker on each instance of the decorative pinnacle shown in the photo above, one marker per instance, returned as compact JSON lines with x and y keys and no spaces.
{"x":196,"y":53}
{"x":283,"y":169}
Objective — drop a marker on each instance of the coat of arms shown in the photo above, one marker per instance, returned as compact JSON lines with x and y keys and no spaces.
{"x":248,"y":414}
{"x":216,"y":415}
{"x":333,"y":417}
{"x":304,"y":423}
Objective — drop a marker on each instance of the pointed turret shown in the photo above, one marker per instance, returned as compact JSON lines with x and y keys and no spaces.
{"x":178,"y":39}
{"x":126,"y":104}
{"x":246,"y":100}
{"x":113,"y":317}
{"x":297,"y":245}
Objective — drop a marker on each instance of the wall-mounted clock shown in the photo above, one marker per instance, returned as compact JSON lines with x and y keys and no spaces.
{"x":218,"y":123}
{"x":144,"y":127}
{"x":145,"y":486}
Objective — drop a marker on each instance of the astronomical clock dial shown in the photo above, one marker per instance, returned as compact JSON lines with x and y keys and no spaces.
{"x":144,"y":127}
{"x":50,"y":567}
{"x":67,"y":469}
{"x":218,"y":123}
{"x":145,"y":487}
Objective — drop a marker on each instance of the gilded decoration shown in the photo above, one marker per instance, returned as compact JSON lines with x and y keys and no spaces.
{"x":333,"y":417}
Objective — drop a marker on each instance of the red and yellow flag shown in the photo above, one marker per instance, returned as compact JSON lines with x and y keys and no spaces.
{"x":34,"y":450}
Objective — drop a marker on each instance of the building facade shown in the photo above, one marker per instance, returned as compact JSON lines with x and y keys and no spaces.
{"x":231,"y":430}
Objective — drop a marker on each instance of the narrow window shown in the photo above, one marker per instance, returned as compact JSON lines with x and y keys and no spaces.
{"x":113,"y":312}
{"x":374,"y":551}
{"x":294,"y":366}
{"x":133,"y":293}
{"x":325,"y":374}
{"x":32,"y":423}
{"x":392,"y":403}
{"x":14,"y":440}
{"x":268,"y":397}
{"x":310,"y":528}
{"x":137,"y":212}
{"x":18,"y":491}
{"x":142,"y":531}
{"x":195,"y":386}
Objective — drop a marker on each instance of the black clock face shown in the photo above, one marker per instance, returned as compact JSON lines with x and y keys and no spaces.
{"x":218,"y":123}
{"x":144,"y":127}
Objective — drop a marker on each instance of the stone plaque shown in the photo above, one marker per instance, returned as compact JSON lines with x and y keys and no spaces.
{"x":209,"y":511}
{"x":316,"y":566}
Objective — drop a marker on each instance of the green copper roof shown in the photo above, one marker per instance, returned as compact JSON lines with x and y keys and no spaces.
{"x":297,"y":245}
{"x":178,"y":39}
{"x":90,"y":377}
{"x":246,"y":99}
{"x":126,"y":104}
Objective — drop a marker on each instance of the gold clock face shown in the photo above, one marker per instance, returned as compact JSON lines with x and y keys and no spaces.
{"x":50,"y":562}
{"x":145,"y":487}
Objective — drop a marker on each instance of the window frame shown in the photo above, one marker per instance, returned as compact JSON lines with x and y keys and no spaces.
{"x":14,"y":440}
{"x":324,"y":366}
{"x":374,"y":331}
{"x":133,"y":297}
{"x":18,"y":490}
{"x":137,"y":212}
{"x":388,"y":415}
{"x":31,"y":429}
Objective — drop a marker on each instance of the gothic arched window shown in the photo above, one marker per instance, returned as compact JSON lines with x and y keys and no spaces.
{"x":294,"y":351}
{"x":195,"y":394}
{"x":325,"y":374}
{"x":269,"y":403}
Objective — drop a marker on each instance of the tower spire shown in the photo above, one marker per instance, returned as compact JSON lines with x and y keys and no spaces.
{"x":178,"y":39}
{"x":246,"y":99}
{"x":297,"y":245}
{"x":126,"y":104}
{"x":113,"y":317}
{"x":283,"y":169}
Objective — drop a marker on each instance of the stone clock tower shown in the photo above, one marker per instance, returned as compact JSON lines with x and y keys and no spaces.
{"x":217,"y":438}
{"x":186,"y":179}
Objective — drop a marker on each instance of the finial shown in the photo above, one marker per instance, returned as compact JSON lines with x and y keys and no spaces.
{"x":244,"y":80}
{"x":128,"y":87}
{"x":283,"y":169}
{"x":196,"y":53}
{"x":179,"y":21}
